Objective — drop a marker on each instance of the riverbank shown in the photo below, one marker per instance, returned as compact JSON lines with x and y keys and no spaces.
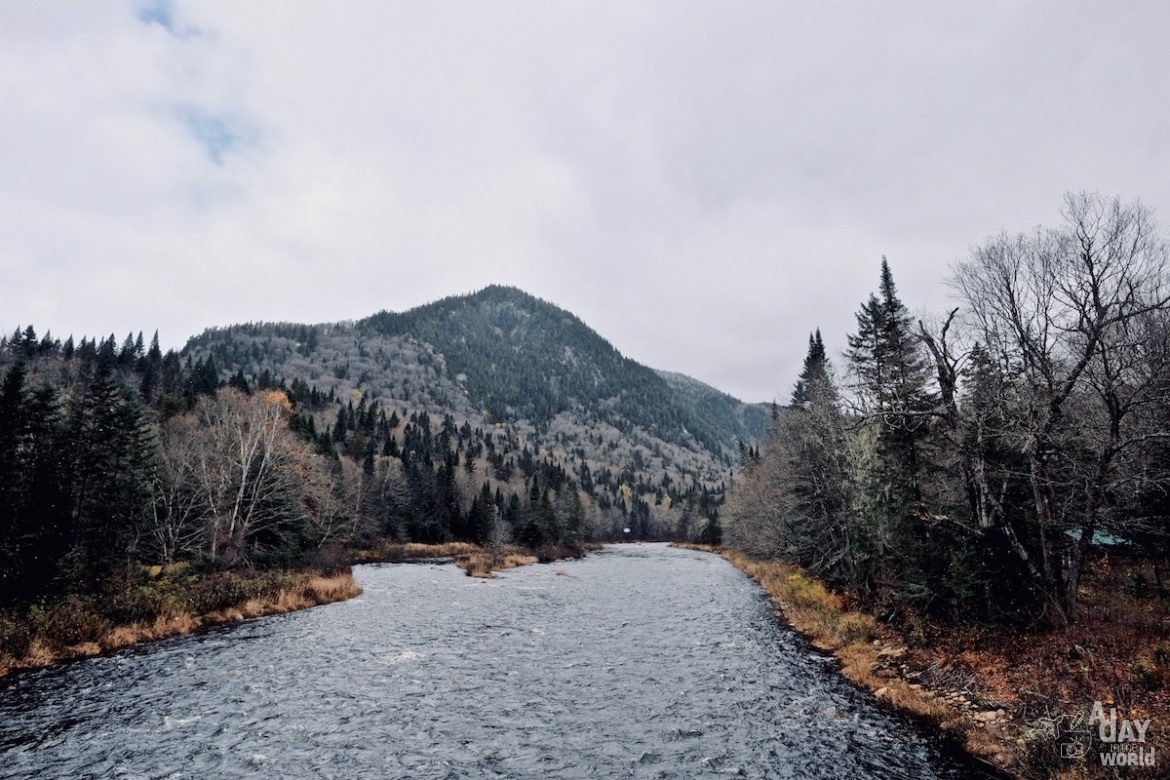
{"x":996,"y":690}
{"x":476,"y":560}
{"x":167,"y":606}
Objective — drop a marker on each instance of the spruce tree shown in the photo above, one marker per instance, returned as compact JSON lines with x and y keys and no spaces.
{"x":11,"y":468}
{"x":814,"y":367}
{"x":482,"y":515}
{"x":892,"y":383}
{"x":46,"y":529}
{"x":110,"y":468}
{"x":820,"y":530}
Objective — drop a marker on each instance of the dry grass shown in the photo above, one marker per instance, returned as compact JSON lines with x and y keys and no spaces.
{"x":394,"y":552}
{"x":697,"y":546}
{"x":475,"y":560}
{"x":482,"y":563}
{"x":309,"y":590}
{"x":304,"y":589}
{"x":994,"y":688}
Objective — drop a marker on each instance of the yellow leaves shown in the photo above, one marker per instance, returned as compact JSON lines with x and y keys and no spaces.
{"x":156,"y":570}
{"x":277,"y":398}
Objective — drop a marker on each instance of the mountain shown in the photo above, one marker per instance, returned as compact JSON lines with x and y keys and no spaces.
{"x":500,"y":359}
{"x":745,"y":422}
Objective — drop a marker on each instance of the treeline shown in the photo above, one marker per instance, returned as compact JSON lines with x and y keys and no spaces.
{"x":114,"y":457}
{"x":427,"y":482}
{"x":405,"y":374}
{"x":973,"y":466}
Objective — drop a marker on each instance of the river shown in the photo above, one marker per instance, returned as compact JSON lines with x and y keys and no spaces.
{"x":639,"y":661}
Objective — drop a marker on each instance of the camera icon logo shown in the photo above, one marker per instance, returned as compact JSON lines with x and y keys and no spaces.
{"x":1072,"y":749}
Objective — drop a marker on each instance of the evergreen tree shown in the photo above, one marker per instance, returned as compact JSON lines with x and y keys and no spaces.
{"x":893,"y":386}
{"x":482,"y":515}
{"x":814,"y":368}
{"x":12,"y":426}
{"x":110,"y":472}
{"x":45,"y":505}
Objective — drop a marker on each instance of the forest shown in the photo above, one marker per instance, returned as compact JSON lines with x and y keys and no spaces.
{"x":509,"y":375}
{"x":501,"y":360}
{"x":975,"y":465}
{"x":118,"y":462}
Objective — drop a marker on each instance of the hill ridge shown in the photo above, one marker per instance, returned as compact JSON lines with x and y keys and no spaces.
{"x":499,"y":358}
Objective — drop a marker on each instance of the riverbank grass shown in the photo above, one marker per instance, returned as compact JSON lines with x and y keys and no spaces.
{"x":1000,"y":689}
{"x":477,"y":561}
{"x":163,"y":606}
{"x":482,"y":563}
{"x":386,"y":551}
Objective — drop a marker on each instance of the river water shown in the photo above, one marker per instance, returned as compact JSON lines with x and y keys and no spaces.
{"x":639,"y":661}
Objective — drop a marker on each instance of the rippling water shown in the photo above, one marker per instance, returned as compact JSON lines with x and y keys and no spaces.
{"x":641,"y":661}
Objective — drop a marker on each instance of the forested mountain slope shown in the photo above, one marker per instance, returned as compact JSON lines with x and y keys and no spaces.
{"x":747,"y":422}
{"x":536,"y":377}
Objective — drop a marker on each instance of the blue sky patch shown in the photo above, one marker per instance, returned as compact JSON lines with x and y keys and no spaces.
{"x":158,"y":12}
{"x":218,"y":134}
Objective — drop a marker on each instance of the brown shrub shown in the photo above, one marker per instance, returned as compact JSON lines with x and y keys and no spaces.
{"x":330,"y":559}
{"x":547,"y":553}
{"x":71,"y":621}
{"x":15,"y":636}
{"x":75,"y":627}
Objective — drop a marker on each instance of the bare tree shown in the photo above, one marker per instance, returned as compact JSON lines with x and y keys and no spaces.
{"x":758,"y":505}
{"x":176,"y":523}
{"x":332,"y":495}
{"x":499,"y":531}
{"x":243,"y":469}
{"x":1057,"y":308}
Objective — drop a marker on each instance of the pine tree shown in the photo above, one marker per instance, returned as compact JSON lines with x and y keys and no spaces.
{"x":128,"y":354}
{"x":813,"y":370}
{"x":893,"y":387}
{"x":370,"y":458}
{"x":240,"y":382}
{"x":28,"y":343}
{"x":46,"y":529}
{"x":482,"y":515}
{"x":110,"y":470}
{"x":12,"y":426}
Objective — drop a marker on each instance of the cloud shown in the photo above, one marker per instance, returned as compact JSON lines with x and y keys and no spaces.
{"x":703,"y":183}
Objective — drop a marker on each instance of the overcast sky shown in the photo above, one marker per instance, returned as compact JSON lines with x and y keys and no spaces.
{"x":702,"y":182}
